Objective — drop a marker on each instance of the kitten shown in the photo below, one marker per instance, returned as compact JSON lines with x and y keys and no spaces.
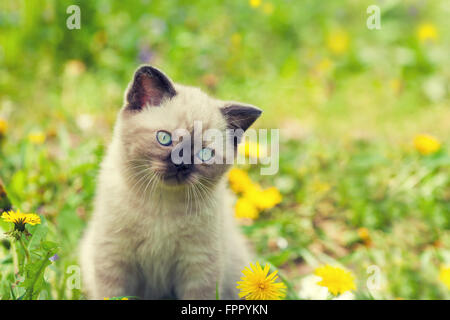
{"x":160,"y":229}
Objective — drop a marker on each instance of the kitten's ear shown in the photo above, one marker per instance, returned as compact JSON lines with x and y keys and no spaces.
{"x":150,"y":86}
{"x":240,"y":116}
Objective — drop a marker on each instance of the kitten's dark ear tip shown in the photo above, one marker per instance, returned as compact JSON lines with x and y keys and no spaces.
{"x":254,"y":111}
{"x":258,"y":111}
{"x":148,"y":69}
{"x":241,"y":116}
{"x":150,"y":86}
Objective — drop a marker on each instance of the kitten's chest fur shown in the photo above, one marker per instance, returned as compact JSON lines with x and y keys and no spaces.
{"x":169,"y":233}
{"x":162,"y":234}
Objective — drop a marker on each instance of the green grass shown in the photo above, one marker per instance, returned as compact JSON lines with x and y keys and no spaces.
{"x":346,"y":158}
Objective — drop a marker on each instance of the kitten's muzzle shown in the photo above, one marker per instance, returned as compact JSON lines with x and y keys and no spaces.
{"x":178,"y":172}
{"x":182,"y":167}
{"x":182,"y":170}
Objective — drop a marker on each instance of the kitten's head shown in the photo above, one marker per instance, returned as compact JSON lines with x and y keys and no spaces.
{"x":159,"y":142}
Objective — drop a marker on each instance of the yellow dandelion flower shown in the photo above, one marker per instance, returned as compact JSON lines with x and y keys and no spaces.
{"x":74,"y":68}
{"x":363,"y":233}
{"x":426,"y":144}
{"x":36,"y":137}
{"x":263,"y":199}
{"x":338,"y":41}
{"x":253,"y":192}
{"x":239,"y":180}
{"x":324,"y":65}
{"x":244,"y":208}
{"x":271,"y":197}
{"x":396,"y":85}
{"x":256,"y":284}
{"x":254,"y":198}
{"x":20,"y":219}
{"x":427,"y":32}
{"x":336,"y":279}
{"x":267,"y":8}
{"x":444,"y":275}
{"x":252,"y":149}
{"x":255,"y":3}
{"x":3,"y":126}
{"x":320,"y":187}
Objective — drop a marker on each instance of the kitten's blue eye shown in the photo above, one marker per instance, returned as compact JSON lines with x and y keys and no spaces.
{"x":205,"y":154}
{"x":164,"y":138}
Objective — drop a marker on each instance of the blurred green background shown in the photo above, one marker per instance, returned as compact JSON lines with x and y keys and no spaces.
{"x":348,"y":100}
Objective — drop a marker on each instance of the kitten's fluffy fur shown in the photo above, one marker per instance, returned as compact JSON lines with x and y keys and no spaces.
{"x":153,"y":237}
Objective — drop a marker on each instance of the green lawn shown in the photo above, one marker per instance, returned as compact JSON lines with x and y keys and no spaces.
{"x":349,"y":101}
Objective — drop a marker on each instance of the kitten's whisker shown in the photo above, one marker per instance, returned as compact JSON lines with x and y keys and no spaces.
{"x":150,"y":180}
{"x":136,"y":174}
{"x":141,"y":184}
{"x":208,"y":195}
{"x":147,"y":173}
{"x":197,"y":196}
{"x":137,"y":160}
{"x":188,"y":194}
{"x":133,"y":168}
{"x":154,"y":183}
{"x":192,"y":201}
{"x":209,"y":192}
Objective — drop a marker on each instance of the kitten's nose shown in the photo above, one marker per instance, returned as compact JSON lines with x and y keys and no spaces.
{"x":182,"y":167}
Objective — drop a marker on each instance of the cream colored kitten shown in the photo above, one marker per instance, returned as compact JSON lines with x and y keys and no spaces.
{"x":160,"y":229}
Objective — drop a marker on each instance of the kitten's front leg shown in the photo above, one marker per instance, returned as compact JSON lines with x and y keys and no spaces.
{"x":197,"y":280}
{"x":114,"y":277}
